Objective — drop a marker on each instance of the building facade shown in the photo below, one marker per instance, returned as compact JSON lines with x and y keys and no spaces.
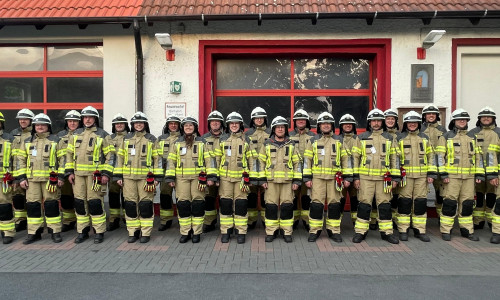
{"x":280,"y":55}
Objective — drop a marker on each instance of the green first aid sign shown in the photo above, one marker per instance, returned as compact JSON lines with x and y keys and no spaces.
{"x":175,"y":87}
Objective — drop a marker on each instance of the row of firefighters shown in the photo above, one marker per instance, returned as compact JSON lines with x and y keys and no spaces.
{"x":59,"y":180}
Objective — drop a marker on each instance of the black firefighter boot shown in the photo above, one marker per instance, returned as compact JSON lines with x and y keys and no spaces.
{"x":34,"y":237}
{"x":240,"y":238}
{"x":358,"y":238}
{"x":495,"y":238}
{"x":185,"y":238}
{"x":336,"y":237}
{"x":135,"y":237}
{"x":98,"y":238}
{"x":466,"y":234}
{"x":479,"y":226}
{"x":68,"y":227}
{"x":114,"y":225}
{"x":83,"y":236}
{"x":226,"y":236}
{"x":210,"y":227}
{"x":391,"y":238}
{"x":56,"y":237}
{"x":165,"y":226}
{"x":403,"y":236}
{"x":7,"y":239}
{"x":313,"y":236}
{"x":22,"y":225}
{"x":196,"y":238}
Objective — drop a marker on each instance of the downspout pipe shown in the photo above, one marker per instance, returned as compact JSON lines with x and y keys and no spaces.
{"x":139,"y":62}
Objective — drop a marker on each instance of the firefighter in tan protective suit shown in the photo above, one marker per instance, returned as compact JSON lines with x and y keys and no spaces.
{"x":258,"y":134}
{"x":375,"y":160}
{"x":165,"y":142}
{"x":301,"y":134}
{"x":434,"y":130}
{"x":186,"y":172}
{"x":138,"y":171}
{"x":7,"y":223}
{"x":235,"y":169}
{"x":418,"y":168}
{"x":348,"y":133}
{"x":492,"y":172}
{"x":392,"y":127}
{"x":24,"y":117}
{"x":460,"y":166}
{"x":327,"y":169}
{"x":486,"y":133}
{"x":212,"y":148}
{"x":90,"y":160}
{"x":39,"y":171}
{"x":119,"y":130}
{"x":73,"y":121}
{"x":282,"y":168}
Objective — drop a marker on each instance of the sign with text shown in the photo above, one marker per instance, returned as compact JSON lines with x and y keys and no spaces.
{"x":177,"y":109}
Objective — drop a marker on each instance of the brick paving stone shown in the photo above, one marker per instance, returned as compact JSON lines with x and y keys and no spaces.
{"x":164,"y":254}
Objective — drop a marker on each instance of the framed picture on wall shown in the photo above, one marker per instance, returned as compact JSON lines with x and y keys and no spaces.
{"x":422,"y":83}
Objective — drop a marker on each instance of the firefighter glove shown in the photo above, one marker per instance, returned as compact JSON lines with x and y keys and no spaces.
{"x":387,"y":182}
{"x":202,"y":181}
{"x":403,"y":177}
{"x":339,"y":182}
{"x":149,"y":186}
{"x":96,"y":181}
{"x":245,"y":182}
{"x":7,"y":181}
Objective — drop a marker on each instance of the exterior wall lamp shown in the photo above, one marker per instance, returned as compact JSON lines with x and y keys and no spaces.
{"x":165,"y":42}
{"x":430,"y":39}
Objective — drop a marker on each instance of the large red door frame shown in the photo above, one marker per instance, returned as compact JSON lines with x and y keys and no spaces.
{"x":455,"y":43}
{"x":379,"y":51}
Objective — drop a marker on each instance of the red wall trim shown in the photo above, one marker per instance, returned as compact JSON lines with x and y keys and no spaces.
{"x":378,"y":49}
{"x":455,"y":43}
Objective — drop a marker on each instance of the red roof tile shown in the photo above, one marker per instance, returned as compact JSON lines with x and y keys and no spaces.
{"x":235,"y":7}
{"x":36,"y":9}
{"x":68,"y":8}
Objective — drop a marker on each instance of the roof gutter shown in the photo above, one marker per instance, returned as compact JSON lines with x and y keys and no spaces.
{"x":423,"y":15}
{"x":139,"y":62}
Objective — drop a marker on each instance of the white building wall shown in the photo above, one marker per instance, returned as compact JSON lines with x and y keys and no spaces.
{"x":119,"y":55}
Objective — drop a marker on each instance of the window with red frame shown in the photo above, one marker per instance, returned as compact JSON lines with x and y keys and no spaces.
{"x":281,"y":86}
{"x":50,"y":78}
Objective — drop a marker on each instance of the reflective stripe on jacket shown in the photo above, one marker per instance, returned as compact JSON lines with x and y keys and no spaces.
{"x":281,"y":161}
{"x":137,"y":157}
{"x":458,"y":156}
{"x":91,"y":149}
{"x":38,"y":157}
{"x":375,"y":154}
{"x":416,"y":155}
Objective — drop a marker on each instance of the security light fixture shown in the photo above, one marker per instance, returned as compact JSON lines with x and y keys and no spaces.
{"x":432,"y":37}
{"x":164,"y":40}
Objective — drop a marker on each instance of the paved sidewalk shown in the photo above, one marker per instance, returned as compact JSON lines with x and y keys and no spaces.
{"x":164,"y":254}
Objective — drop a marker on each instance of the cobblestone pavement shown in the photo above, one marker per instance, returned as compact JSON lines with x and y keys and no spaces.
{"x":164,"y":254}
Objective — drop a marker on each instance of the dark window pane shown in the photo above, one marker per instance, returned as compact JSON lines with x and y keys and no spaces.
{"x":66,"y":58}
{"x":74,"y":90}
{"x":331,"y":73}
{"x":19,"y":90}
{"x":274,"y":106}
{"x":21,"y":58}
{"x":10,"y":118}
{"x":358,"y":106}
{"x":57,"y":118}
{"x":240,"y":74}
